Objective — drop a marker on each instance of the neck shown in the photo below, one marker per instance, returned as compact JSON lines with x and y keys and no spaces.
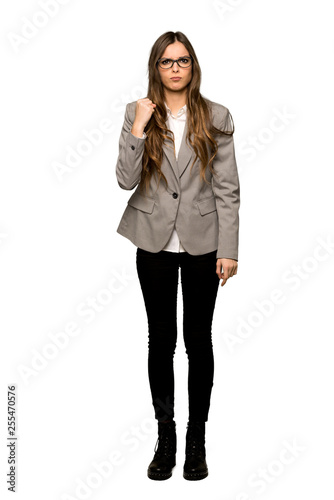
{"x":175,"y":100}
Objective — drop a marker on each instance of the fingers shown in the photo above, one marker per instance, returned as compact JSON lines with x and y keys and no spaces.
{"x":229,"y":267}
{"x":147,"y":101}
{"x":144,"y":111}
{"x":218,"y":269}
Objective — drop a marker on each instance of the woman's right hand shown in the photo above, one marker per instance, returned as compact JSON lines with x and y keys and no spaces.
{"x":144,"y":111}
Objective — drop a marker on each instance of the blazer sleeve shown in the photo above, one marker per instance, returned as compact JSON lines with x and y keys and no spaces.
{"x":129,"y":161}
{"x":226,"y":188}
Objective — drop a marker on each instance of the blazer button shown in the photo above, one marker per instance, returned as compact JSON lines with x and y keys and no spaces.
{"x":132,"y":147}
{"x":175,"y":195}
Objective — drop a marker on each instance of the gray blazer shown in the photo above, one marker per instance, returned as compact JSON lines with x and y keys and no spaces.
{"x":206,"y":216}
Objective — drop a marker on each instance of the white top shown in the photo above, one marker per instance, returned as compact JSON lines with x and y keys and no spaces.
{"x":176,"y":124}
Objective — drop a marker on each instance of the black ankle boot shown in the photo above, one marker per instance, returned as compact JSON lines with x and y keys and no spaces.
{"x":164,"y":458}
{"x":195,"y":466}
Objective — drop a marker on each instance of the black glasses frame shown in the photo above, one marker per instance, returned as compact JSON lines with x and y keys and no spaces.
{"x":173,"y":61}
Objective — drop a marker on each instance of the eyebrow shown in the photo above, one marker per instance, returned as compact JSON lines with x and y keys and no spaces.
{"x":187,"y":55}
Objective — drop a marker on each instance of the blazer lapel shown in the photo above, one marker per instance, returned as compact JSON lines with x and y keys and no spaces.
{"x":184,"y":156}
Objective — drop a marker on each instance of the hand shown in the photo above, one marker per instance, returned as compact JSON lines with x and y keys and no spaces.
{"x":144,"y":111}
{"x":229,"y":266}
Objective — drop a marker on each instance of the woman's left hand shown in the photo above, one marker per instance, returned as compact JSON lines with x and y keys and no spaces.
{"x":229,"y":267}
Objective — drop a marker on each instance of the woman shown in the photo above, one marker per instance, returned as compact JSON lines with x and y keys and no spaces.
{"x":182,"y":214}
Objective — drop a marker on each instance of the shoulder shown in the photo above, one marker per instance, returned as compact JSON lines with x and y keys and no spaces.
{"x":131,"y":110}
{"x":219,"y":112}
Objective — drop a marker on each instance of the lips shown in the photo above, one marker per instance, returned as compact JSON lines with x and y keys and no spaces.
{"x":176,"y":78}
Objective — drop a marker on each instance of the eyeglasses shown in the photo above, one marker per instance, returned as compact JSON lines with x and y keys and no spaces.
{"x":183,"y":62}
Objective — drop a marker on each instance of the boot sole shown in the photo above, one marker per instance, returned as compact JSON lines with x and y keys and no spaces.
{"x":159,"y":476}
{"x":195,"y":476}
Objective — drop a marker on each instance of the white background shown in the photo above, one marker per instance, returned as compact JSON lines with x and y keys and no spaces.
{"x":59,"y":249}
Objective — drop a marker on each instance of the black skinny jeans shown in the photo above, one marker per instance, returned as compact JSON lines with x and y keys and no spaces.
{"x":158,"y":276}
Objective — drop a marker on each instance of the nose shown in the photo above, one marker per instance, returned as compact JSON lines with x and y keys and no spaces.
{"x":175,"y":64}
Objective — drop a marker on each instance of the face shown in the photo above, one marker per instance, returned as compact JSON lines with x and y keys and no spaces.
{"x":174,"y":51}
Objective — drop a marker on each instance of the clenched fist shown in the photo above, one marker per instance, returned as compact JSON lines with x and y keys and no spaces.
{"x":144,"y":110}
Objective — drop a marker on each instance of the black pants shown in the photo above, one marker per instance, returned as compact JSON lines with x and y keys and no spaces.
{"x":158,"y":275}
